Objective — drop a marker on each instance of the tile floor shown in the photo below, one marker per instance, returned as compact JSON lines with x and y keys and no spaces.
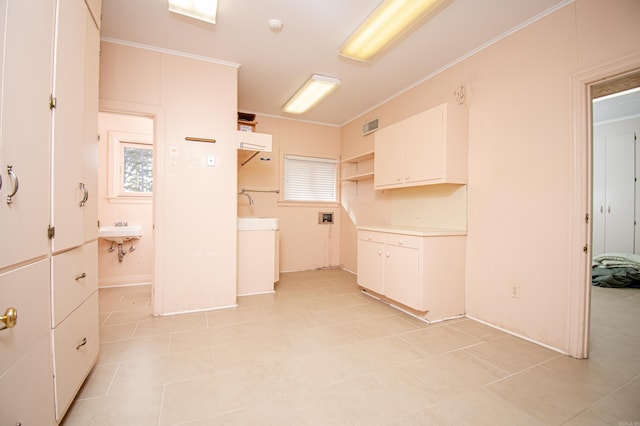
{"x":318,"y":352}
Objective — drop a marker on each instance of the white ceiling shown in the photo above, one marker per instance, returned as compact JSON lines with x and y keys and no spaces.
{"x":274,"y":65}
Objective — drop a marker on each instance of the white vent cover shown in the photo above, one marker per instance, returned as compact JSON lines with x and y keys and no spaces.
{"x":370,"y":126}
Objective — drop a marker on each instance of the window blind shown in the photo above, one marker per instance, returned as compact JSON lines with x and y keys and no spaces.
{"x":309,"y":178}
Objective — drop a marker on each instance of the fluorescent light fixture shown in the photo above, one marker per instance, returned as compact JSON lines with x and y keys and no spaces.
{"x":204,"y":10}
{"x":391,"y":20}
{"x":317,"y":87}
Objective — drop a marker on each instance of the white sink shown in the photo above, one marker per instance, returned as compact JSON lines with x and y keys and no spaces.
{"x":120,"y":234}
{"x":258,"y":224}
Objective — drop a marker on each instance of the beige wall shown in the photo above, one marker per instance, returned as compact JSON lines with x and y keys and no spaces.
{"x":194,"y":205}
{"x":304,"y":244}
{"x":520,"y":133}
{"x":137,"y":266}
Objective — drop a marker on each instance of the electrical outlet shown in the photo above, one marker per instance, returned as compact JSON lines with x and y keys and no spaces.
{"x":515,"y":291}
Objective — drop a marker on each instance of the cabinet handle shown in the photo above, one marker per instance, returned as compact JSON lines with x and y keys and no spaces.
{"x":82,"y":343}
{"x":81,"y":276}
{"x":601,"y":209}
{"x":10,"y":318}
{"x":13,"y":176}
{"x":85,"y":194}
{"x":609,"y":209}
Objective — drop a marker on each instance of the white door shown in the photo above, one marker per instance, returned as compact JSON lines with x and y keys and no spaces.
{"x":620,"y":193}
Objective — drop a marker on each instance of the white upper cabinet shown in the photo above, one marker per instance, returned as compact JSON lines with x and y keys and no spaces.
{"x":75,"y":126}
{"x":425,"y":149}
{"x":26,"y":41}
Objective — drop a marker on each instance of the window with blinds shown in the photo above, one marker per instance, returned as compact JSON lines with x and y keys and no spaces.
{"x":309,"y":178}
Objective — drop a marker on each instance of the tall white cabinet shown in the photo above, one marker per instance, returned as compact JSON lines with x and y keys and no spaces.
{"x":48,"y":270}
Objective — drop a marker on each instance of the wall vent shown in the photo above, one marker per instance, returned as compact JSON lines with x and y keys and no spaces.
{"x":370,"y":126}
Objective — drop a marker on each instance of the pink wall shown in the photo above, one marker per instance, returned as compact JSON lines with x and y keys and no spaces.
{"x":520,"y":134}
{"x":304,"y":244}
{"x":194,"y":205}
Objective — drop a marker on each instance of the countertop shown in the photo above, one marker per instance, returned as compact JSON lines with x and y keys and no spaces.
{"x":408,"y":230}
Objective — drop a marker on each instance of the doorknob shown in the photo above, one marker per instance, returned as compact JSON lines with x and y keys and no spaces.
{"x":10,"y":318}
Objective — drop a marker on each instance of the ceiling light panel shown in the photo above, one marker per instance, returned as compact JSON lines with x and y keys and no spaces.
{"x":389,"y":22}
{"x":316,"y":88}
{"x":204,"y":10}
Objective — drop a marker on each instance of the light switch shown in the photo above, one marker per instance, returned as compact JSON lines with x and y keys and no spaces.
{"x":211,"y":160}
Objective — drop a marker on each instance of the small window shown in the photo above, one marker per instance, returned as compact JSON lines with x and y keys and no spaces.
{"x":137,"y":168}
{"x":309,"y":179}
{"x":130,"y":165}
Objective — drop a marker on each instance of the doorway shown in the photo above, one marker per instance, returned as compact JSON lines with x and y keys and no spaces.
{"x":125,"y":197}
{"x":584,"y":85}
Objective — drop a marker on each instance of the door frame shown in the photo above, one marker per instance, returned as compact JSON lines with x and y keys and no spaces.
{"x":157,"y":115}
{"x":578,"y":317}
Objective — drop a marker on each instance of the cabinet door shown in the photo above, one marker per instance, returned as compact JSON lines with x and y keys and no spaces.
{"x":28,"y":394}
{"x":69,"y":185}
{"x":75,"y":343}
{"x":599,"y":195}
{"x":388,"y":160}
{"x":370,"y":264}
{"x":402,"y":279}
{"x":90,"y":143}
{"x":95,"y":7}
{"x":26,"y":42}
{"x":620,"y":193}
{"x":424,"y":147}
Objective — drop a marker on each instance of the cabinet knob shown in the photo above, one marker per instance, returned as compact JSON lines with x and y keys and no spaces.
{"x":400,"y":242}
{"x":10,"y":318}
{"x":369,"y":237}
{"x":388,"y":254}
{"x":379,"y":252}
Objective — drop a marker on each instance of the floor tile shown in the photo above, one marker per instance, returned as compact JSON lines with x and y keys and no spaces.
{"x":545,"y":395}
{"x":511,"y":353}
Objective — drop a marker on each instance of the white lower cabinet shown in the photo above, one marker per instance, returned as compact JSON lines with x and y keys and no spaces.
{"x":25,"y":363}
{"x":423,"y":272}
{"x":75,"y":349}
{"x":27,"y":385}
{"x":75,"y":277}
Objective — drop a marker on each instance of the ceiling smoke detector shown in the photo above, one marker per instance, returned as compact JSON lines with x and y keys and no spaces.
{"x":275,"y":25}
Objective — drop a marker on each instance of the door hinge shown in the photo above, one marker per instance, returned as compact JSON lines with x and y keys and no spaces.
{"x":586,"y":218}
{"x":52,"y":102}
{"x":585,"y":248}
{"x":51,"y":232}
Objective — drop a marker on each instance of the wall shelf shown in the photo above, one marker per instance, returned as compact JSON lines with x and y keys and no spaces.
{"x":358,"y":158}
{"x":352,"y":169}
{"x":358,"y":177}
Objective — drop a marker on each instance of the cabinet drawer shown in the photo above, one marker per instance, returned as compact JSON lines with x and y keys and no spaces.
{"x":75,"y":344}
{"x":28,"y":394}
{"x":75,"y":277}
{"x":27,"y":290}
{"x":410,"y":241}
{"x":376,"y":237}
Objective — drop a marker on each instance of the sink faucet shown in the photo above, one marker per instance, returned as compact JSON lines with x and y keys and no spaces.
{"x":248,"y":196}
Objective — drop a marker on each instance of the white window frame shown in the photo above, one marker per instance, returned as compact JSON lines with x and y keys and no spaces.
{"x":306,"y":191}
{"x":117,"y":142}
